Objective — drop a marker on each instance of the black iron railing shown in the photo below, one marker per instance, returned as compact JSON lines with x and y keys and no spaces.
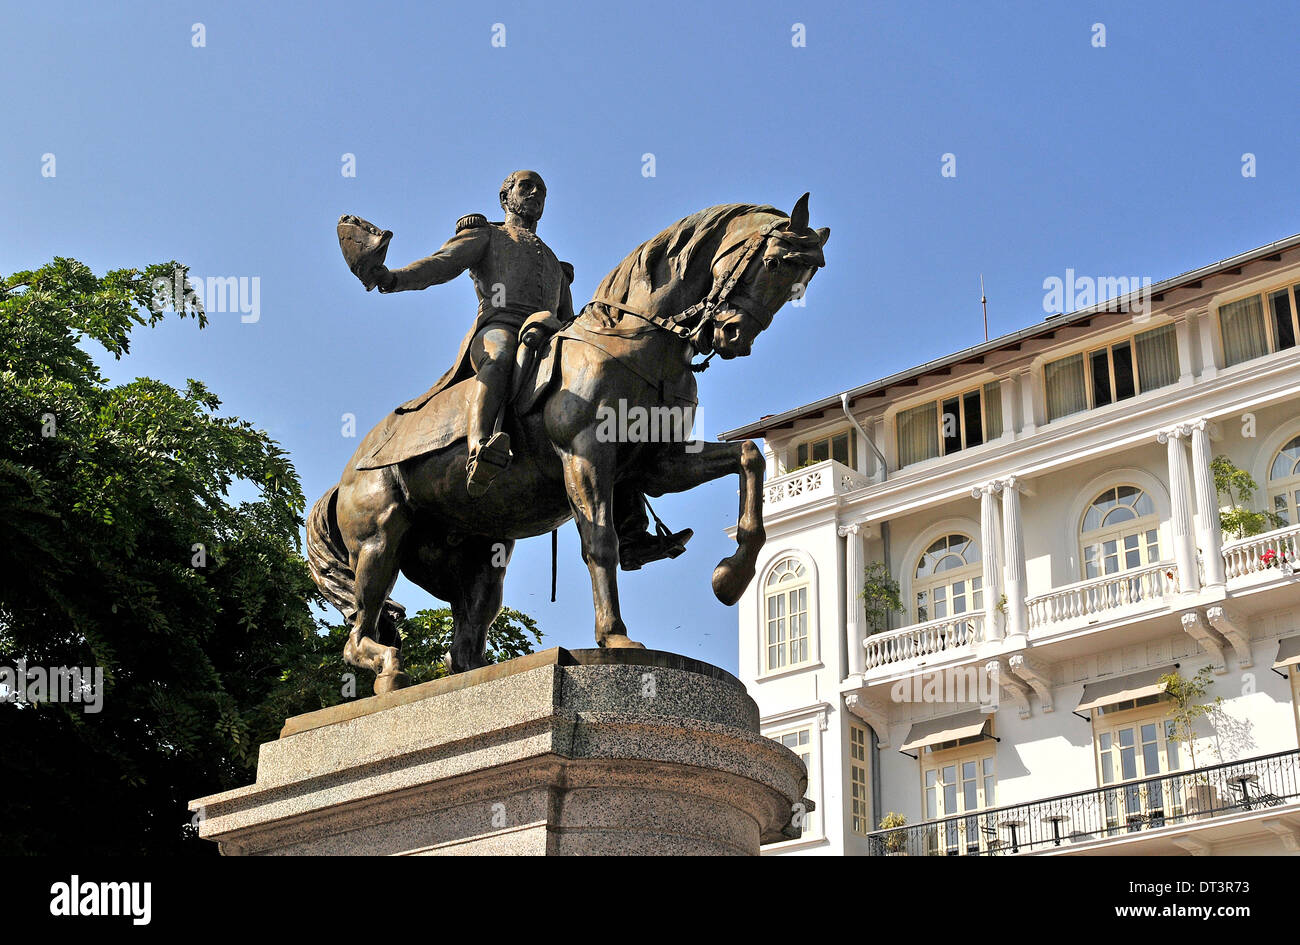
{"x":1103,"y":813}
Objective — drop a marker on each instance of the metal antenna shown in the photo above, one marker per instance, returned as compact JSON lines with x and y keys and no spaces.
{"x":984,"y":302}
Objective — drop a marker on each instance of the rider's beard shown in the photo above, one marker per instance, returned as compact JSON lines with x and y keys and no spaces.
{"x":517,"y":208}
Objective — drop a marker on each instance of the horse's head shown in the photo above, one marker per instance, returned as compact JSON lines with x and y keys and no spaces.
{"x":717,"y":277}
{"x":764,"y":260}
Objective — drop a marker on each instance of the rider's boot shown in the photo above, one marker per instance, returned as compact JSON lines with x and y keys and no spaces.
{"x":489,"y":453}
{"x":636,"y":546}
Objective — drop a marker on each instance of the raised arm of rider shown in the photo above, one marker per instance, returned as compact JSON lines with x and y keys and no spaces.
{"x":461,"y":252}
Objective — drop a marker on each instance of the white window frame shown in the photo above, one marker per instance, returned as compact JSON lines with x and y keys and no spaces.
{"x":960,"y":396}
{"x":1293,"y":672}
{"x":1287,"y":487}
{"x":859,"y":770}
{"x":761,"y":670}
{"x":809,"y":443}
{"x":1264,"y":294}
{"x":956,"y":838}
{"x":1108,"y":344}
{"x":968,"y":573}
{"x":1135,"y":527}
{"x":1121,"y":803}
{"x":813,"y":828}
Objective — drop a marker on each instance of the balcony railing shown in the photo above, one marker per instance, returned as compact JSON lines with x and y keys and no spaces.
{"x":1095,"y":597}
{"x":822,"y":479}
{"x":1104,"y":813}
{"x":1262,"y":552}
{"x":924,"y":639}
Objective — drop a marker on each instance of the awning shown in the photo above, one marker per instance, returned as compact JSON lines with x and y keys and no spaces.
{"x":1122,"y":688}
{"x":947,"y":729}
{"x":1288,"y":653}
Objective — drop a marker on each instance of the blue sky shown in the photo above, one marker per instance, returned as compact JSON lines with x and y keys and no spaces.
{"x":1122,"y":160}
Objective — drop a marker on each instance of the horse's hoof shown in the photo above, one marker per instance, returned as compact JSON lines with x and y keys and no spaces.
{"x":730,"y":581}
{"x":620,"y":641}
{"x":390,"y":682}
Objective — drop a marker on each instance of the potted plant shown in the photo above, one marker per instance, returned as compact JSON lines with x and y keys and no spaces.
{"x":879,"y":597}
{"x":1187,"y":705}
{"x":1237,"y":485}
{"x":896,"y":840}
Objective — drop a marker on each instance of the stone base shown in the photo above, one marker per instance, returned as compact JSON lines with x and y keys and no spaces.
{"x":560,"y":752}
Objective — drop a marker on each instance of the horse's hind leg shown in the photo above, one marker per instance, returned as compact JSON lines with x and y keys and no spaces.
{"x":375,"y":555}
{"x":480,"y":571}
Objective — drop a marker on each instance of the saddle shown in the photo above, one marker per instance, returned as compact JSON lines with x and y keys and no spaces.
{"x":443,"y":419}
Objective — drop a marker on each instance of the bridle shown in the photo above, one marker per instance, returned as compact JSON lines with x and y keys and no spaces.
{"x":694,"y":324}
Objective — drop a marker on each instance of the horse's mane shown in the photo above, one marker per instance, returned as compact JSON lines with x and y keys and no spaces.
{"x":667,"y":256}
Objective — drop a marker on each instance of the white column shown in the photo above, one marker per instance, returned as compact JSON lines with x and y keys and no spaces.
{"x":1008,"y":391}
{"x":991,"y":546}
{"x":1180,"y":493}
{"x":1183,"y":325}
{"x":853,"y":635}
{"x":1207,"y":504}
{"x":1028,"y":413}
{"x":1013,"y":535}
{"x":1207,"y":328}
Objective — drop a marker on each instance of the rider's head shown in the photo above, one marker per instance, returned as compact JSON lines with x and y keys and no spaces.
{"x":523,"y":193}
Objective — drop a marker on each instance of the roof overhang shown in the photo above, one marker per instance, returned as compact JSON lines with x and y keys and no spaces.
{"x":1119,"y":304}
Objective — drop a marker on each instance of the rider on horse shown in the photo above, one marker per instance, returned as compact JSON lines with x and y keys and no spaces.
{"x":516,"y":276}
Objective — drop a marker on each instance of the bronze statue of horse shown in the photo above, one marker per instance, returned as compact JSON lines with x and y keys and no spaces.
{"x":708,"y":284}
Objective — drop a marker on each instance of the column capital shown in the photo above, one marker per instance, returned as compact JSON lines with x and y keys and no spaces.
{"x":992,"y":487}
{"x":1179,"y":431}
{"x":862,"y":526}
{"x":1204,"y":425}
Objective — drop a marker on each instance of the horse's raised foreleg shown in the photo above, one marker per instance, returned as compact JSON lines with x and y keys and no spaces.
{"x":589,"y":481}
{"x":682,"y":468}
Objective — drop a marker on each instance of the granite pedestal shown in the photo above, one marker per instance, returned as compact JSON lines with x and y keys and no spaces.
{"x":560,"y":752}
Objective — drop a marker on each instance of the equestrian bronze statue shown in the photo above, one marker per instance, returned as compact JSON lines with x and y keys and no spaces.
{"x":519,"y":436}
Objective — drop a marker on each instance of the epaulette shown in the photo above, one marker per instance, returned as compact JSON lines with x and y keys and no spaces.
{"x":567,"y":268}
{"x":471,"y":220}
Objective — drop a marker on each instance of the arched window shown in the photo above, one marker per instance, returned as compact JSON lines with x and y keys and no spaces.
{"x":1120,"y":532}
{"x":949,"y":579}
{"x":786,"y":603}
{"x":1284,"y":483}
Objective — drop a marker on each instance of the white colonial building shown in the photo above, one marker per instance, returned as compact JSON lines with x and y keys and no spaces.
{"x":1046,"y":502}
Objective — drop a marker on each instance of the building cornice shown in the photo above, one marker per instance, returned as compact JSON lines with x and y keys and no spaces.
{"x":1050,"y":326}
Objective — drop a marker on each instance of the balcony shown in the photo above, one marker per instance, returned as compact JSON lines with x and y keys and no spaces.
{"x":896,"y":649}
{"x":823,"y":480}
{"x":1186,"y":799}
{"x":1267,"y":554}
{"x":1127,"y":593}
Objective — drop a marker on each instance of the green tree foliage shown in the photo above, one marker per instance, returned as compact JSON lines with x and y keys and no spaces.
{"x":879,"y":596}
{"x":1234,"y":484}
{"x":317,"y":677}
{"x":1187,"y":704}
{"x":122,"y":548}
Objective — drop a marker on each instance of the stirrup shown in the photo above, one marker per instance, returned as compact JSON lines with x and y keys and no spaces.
{"x":642,"y":548}
{"x":488,"y":462}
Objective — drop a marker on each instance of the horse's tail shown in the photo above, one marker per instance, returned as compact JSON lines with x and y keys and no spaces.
{"x":327,"y":557}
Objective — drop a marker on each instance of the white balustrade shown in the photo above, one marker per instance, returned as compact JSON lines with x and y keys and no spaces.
{"x":822,"y":479}
{"x":1095,"y":597}
{"x":1271,"y":550}
{"x":924,"y":639}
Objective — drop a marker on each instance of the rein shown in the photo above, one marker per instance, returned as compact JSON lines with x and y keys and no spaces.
{"x":691,"y":323}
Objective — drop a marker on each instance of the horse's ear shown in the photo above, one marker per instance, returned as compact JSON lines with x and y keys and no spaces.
{"x":799,"y":215}
{"x":824,"y":233}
